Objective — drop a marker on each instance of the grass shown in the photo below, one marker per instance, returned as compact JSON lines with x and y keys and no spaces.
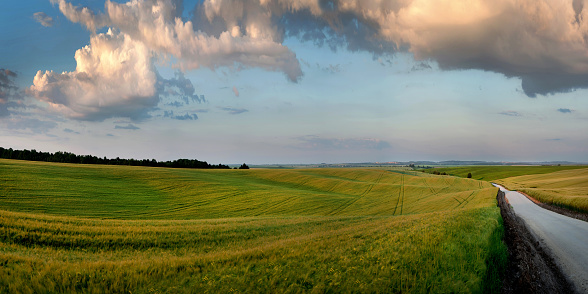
{"x":566,"y":188}
{"x":492,"y":173}
{"x":76,"y":228}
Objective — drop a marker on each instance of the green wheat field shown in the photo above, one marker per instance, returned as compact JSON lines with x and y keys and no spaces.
{"x":564,"y":186}
{"x":118,"y":229}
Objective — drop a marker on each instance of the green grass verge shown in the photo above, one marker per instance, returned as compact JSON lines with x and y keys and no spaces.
{"x":74,"y":228}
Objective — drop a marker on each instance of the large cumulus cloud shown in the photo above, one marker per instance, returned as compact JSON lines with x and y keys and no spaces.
{"x":541,"y":42}
{"x":114,"y":77}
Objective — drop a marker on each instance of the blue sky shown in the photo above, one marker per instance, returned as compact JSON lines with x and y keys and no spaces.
{"x":296,"y":81}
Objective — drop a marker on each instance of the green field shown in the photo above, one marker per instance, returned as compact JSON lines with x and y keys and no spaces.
{"x":90,"y":228}
{"x":492,"y":172}
{"x":566,"y":188}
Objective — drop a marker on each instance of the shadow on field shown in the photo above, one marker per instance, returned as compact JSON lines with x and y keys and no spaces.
{"x":530,"y":268}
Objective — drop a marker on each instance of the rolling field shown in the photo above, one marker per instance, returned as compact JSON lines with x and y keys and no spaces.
{"x":491,"y":173}
{"x":567,"y":188}
{"x":563,"y":186}
{"x":89,"y":228}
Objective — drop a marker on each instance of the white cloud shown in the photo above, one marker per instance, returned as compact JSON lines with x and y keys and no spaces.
{"x":114,"y":77}
{"x":155,"y":24}
{"x":235,"y":91}
{"x":543,"y":42}
{"x":44,"y":19}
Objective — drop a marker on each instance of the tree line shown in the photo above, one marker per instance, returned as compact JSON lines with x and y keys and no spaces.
{"x":68,"y":157}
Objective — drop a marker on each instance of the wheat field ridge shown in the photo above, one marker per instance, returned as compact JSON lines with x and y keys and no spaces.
{"x":564,"y":186}
{"x":118,"y":229}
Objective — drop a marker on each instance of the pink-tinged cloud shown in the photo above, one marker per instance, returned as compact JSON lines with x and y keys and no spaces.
{"x":542,"y":42}
{"x":114,"y":77}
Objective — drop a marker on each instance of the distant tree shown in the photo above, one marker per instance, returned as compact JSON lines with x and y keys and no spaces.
{"x":469,"y":175}
{"x":244,"y":166}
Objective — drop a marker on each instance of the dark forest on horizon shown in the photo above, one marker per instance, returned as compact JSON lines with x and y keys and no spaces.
{"x":68,"y":157}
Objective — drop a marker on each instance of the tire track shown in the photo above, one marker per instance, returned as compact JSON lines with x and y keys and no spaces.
{"x":403,"y":190}
{"x":367,"y":191}
{"x":465,"y":200}
{"x":400,"y":192}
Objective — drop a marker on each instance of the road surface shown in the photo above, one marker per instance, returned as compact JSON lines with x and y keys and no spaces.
{"x":566,"y":238}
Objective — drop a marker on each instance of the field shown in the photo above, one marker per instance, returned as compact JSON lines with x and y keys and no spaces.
{"x":563,"y":186}
{"x":492,"y":173}
{"x":566,"y":188}
{"x":90,"y":228}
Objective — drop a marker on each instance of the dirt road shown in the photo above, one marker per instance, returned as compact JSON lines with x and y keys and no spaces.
{"x":566,"y":238}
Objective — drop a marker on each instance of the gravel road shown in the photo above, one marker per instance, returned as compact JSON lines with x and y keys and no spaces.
{"x":566,"y":238}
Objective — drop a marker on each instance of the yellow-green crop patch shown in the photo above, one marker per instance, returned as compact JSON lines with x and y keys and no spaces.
{"x":567,"y":188}
{"x":492,"y":173}
{"x":90,"y":228}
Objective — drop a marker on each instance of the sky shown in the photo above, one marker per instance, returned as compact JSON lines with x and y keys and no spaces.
{"x":297,"y":81}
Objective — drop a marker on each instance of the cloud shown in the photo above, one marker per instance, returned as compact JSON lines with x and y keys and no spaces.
{"x":114,"y":77}
{"x":34,"y":125}
{"x":510,"y":113}
{"x":316,"y":142}
{"x":330,"y":68}
{"x":67,"y":130}
{"x":181,"y":87}
{"x":235,"y":91}
{"x":541,"y":42}
{"x":44,"y":19}
{"x":127,"y":127}
{"x":564,"y":110}
{"x":156,"y":24}
{"x":234,"y":110}
{"x":10,"y":95}
{"x":420,"y":66}
{"x":187,"y":116}
{"x":175,"y":104}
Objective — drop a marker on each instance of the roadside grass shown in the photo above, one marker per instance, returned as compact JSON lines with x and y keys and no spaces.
{"x":567,"y":188}
{"x":76,"y":228}
{"x":492,"y":173}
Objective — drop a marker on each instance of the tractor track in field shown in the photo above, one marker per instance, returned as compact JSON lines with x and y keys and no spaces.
{"x":367,"y":191}
{"x":464,"y":200}
{"x":400,"y":196}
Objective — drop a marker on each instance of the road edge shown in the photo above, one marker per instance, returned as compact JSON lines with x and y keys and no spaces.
{"x":567,"y":212}
{"x":530,"y":269}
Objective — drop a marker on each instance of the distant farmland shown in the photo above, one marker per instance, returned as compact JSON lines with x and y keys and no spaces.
{"x":67,"y":228}
{"x":566,"y":188}
{"x":563,"y":186}
{"x":492,"y":173}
